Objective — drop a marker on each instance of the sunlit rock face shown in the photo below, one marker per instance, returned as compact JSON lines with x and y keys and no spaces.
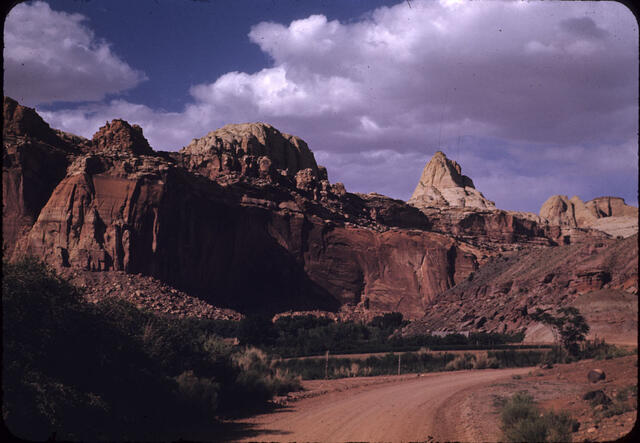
{"x":443,"y":185}
{"x":607,"y":214}
{"x":251,"y":149}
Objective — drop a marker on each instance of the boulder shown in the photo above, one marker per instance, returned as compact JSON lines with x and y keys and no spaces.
{"x":595,"y":375}
{"x":597,"y":397}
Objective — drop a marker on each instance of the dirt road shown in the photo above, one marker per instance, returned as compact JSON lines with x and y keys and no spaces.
{"x":414,"y":409}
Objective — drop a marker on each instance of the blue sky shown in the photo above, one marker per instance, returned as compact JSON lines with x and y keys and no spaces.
{"x":531,"y":98}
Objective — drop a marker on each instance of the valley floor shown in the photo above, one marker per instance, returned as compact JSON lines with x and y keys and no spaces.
{"x":405,"y":408}
{"x":446,"y":406}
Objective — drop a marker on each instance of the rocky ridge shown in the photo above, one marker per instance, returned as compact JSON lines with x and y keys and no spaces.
{"x":498,"y":297}
{"x":244,"y":218}
{"x":284,"y":240}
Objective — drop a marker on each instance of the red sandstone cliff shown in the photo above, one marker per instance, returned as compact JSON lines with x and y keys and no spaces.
{"x":252,"y":238}
{"x":245,"y":218}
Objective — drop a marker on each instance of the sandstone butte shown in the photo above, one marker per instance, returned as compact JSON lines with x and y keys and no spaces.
{"x":244,"y":218}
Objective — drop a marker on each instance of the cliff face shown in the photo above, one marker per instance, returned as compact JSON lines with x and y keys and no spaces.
{"x":34,"y":161}
{"x":245,"y":218}
{"x":265,"y":239}
{"x":594,"y":275}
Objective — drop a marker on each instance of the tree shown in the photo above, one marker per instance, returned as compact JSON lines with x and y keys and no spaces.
{"x":569,"y":327}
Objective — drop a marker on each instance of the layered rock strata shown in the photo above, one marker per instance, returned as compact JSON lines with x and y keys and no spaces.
{"x":245,"y":218}
{"x":255,"y":239}
{"x":500,"y":295}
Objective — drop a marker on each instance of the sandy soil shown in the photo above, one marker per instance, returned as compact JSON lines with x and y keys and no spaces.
{"x":449,"y":406}
{"x":560,"y":388}
{"x":406,"y":408}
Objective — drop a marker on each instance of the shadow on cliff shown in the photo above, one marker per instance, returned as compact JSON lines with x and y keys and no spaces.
{"x":225,"y":253}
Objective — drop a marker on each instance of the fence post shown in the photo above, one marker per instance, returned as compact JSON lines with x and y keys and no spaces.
{"x":399,"y":356}
{"x":326,"y":365}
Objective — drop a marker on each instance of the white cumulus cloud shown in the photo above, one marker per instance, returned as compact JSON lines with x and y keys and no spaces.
{"x":516,"y":81}
{"x":53,"y":56}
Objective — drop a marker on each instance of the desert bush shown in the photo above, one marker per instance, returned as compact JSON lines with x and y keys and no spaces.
{"x":522,"y":421}
{"x":519,"y":407}
{"x":484,"y":361}
{"x":197,"y":396}
{"x":110,"y":371}
{"x":559,"y":426}
{"x":531,"y":429}
{"x":465,"y":361}
{"x":314,"y":368}
{"x":600,"y":350}
{"x":481,"y":362}
{"x":512,"y":358}
{"x":260,"y":371}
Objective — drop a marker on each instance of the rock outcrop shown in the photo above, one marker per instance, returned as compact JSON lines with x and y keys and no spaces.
{"x":443,"y":185}
{"x":119,"y":137}
{"x":608,"y":214}
{"x":34,"y":161}
{"x":253,"y":149}
{"x":232,"y":235}
{"x":599,"y":276}
{"x":244,"y":218}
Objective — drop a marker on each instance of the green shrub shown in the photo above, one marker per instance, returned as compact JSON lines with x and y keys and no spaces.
{"x":616,"y":408}
{"x":531,"y":429}
{"x":519,"y":407}
{"x":197,"y":396}
{"x":513,"y":358}
{"x":522,"y":421}
{"x":559,"y":426}
{"x":600,"y":350}
{"x":483,"y":362}
{"x":465,"y":361}
{"x":261,"y":369}
{"x":110,"y":371}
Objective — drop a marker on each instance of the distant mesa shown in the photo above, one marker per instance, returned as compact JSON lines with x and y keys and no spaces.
{"x":443,"y":185}
{"x":608,"y":214}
